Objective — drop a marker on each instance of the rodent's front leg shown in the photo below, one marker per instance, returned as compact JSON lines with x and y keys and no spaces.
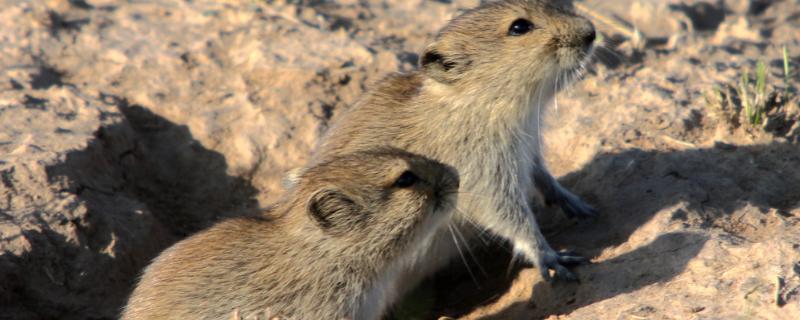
{"x":554,"y":193}
{"x":518,"y":224}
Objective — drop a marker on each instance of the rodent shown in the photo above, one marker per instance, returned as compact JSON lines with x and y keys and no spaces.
{"x":331,"y":249}
{"x":475,"y":103}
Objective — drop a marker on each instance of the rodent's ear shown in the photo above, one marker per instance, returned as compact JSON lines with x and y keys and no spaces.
{"x":334,"y":211}
{"x":436,"y":65}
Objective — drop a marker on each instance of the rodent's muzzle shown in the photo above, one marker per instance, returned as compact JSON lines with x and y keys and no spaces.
{"x":580,"y":33}
{"x":575,"y":42}
{"x":446,"y":186}
{"x":584,"y":36}
{"x":589,"y":37}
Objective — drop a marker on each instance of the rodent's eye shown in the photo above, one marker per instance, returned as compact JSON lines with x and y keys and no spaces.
{"x":520,"y":27}
{"x":406,"y":179}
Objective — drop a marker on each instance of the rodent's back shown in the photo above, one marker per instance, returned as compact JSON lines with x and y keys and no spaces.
{"x":383,"y":116}
{"x":246,"y":265}
{"x":213,"y":265}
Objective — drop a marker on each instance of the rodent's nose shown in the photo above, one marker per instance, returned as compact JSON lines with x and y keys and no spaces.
{"x":448,"y":180}
{"x":580,"y":34}
{"x":447,"y":184}
{"x":589,"y":37}
{"x":454,"y":180}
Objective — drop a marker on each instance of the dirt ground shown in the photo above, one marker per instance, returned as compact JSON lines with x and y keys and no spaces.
{"x":125,"y":127}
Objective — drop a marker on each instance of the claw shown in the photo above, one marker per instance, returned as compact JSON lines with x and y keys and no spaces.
{"x":569,"y":258}
{"x":554,"y":193}
{"x":561,"y":273}
{"x":564,"y":274}
{"x":545,"y":273}
{"x":574,"y":207}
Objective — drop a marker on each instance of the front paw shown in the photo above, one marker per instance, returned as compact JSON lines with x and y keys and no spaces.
{"x":552,"y":260}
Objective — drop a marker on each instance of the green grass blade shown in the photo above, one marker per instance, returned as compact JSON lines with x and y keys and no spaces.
{"x":761,"y":92}
{"x":743,"y":89}
{"x":787,"y":72}
{"x":761,"y":78}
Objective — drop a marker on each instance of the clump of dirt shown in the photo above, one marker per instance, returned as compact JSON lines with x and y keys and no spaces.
{"x":127,"y":127}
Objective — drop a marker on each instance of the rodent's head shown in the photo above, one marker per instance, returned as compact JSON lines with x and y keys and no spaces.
{"x":381,"y":199}
{"x":510,"y":44}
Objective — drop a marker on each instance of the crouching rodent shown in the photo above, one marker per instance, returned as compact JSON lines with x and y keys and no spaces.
{"x":333,"y":248}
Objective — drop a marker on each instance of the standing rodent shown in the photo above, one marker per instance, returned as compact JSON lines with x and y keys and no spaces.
{"x":476,"y":104}
{"x":332,"y":251}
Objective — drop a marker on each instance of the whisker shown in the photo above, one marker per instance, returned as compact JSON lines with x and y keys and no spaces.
{"x":461,"y":254}
{"x":469,"y":251}
{"x":481,"y":230}
{"x":607,"y":46}
{"x":555,"y":93}
{"x":511,"y":263}
{"x":472,"y":194}
{"x":568,"y":81}
{"x":539,"y":119}
{"x":600,"y":55}
{"x":603,"y":53}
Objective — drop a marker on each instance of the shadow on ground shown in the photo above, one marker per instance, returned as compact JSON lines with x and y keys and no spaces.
{"x":141,"y":185}
{"x":629,"y":188}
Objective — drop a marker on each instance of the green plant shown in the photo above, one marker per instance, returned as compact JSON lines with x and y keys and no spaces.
{"x":601,"y":39}
{"x":744,"y":85}
{"x":754,"y":101}
{"x":761,"y":92}
{"x":787,"y":71}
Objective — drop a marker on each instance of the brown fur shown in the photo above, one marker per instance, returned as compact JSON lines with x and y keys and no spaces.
{"x":332,"y":252}
{"x":476,"y":104}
